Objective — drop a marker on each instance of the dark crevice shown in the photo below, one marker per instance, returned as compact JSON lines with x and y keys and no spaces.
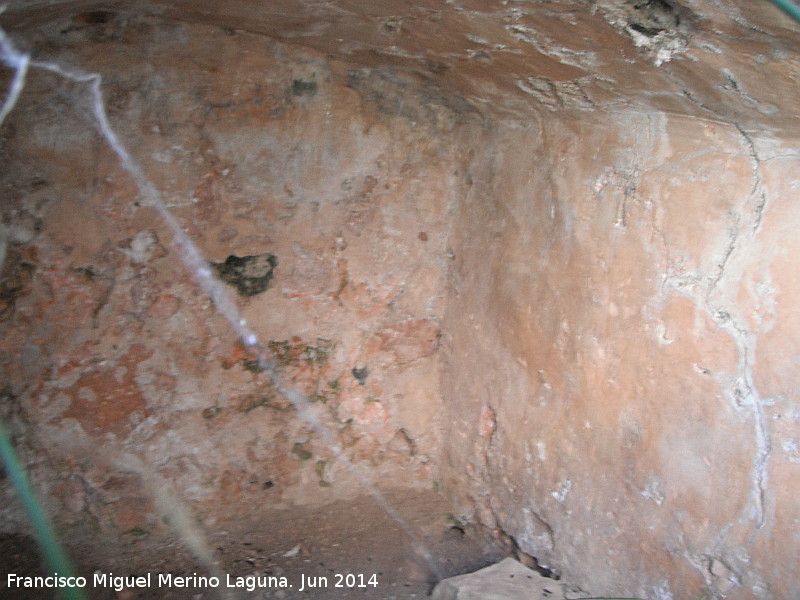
{"x":530,"y":561}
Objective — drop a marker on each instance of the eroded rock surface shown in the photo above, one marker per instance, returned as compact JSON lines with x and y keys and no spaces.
{"x":539,"y":254}
{"x":613,"y":352}
{"x":110,"y":348}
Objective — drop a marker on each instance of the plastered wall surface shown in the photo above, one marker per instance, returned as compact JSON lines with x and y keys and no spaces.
{"x":636,"y":298}
{"x":540,"y":256}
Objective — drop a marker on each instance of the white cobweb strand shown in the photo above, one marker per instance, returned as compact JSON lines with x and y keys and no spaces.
{"x":18,"y":62}
{"x":197,"y":265}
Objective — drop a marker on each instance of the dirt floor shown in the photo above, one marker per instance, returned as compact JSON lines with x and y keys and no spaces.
{"x":347,"y":550}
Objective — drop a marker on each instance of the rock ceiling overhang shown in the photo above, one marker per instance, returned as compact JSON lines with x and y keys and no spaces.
{"x":733,"y":60}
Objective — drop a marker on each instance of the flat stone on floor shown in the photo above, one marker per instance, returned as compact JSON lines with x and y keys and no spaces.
{"x":506,"y":580}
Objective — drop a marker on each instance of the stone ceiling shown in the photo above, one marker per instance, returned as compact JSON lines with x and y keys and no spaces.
{"x":729,"y":60}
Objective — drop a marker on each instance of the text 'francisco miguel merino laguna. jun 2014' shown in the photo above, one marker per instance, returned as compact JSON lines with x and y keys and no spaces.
{"x":169,"y":580}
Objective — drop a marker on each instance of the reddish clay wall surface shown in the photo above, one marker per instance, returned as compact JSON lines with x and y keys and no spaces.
{"x":336,"y":217}
{"x":621,"y":353}
{"x":542,"y":256}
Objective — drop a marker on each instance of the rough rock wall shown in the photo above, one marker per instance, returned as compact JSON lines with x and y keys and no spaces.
{"x":321,"y":197}
{"x":735,"y":60}
{"x":621,"y":373}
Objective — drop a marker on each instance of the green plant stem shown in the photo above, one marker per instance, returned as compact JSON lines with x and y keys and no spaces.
{"x":789,"y":7}
{"x":54,"y":556}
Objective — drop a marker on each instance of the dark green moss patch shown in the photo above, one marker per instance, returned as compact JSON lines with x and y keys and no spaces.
{"x":318,"y":354}
{"x":254,"y":366}
{"x":360,"y":373}
{"x":15,"y":285}
{"x":88,"y":273}
{"x":95,"y":17}
{"x":250,"y":275}
{"x":252,"y":401}
{"x":319,"y":469}
{"x":299,"y":450}
{"x":295,"y":352}
{"x":211,"y":412}
{"x":301,"y":87}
